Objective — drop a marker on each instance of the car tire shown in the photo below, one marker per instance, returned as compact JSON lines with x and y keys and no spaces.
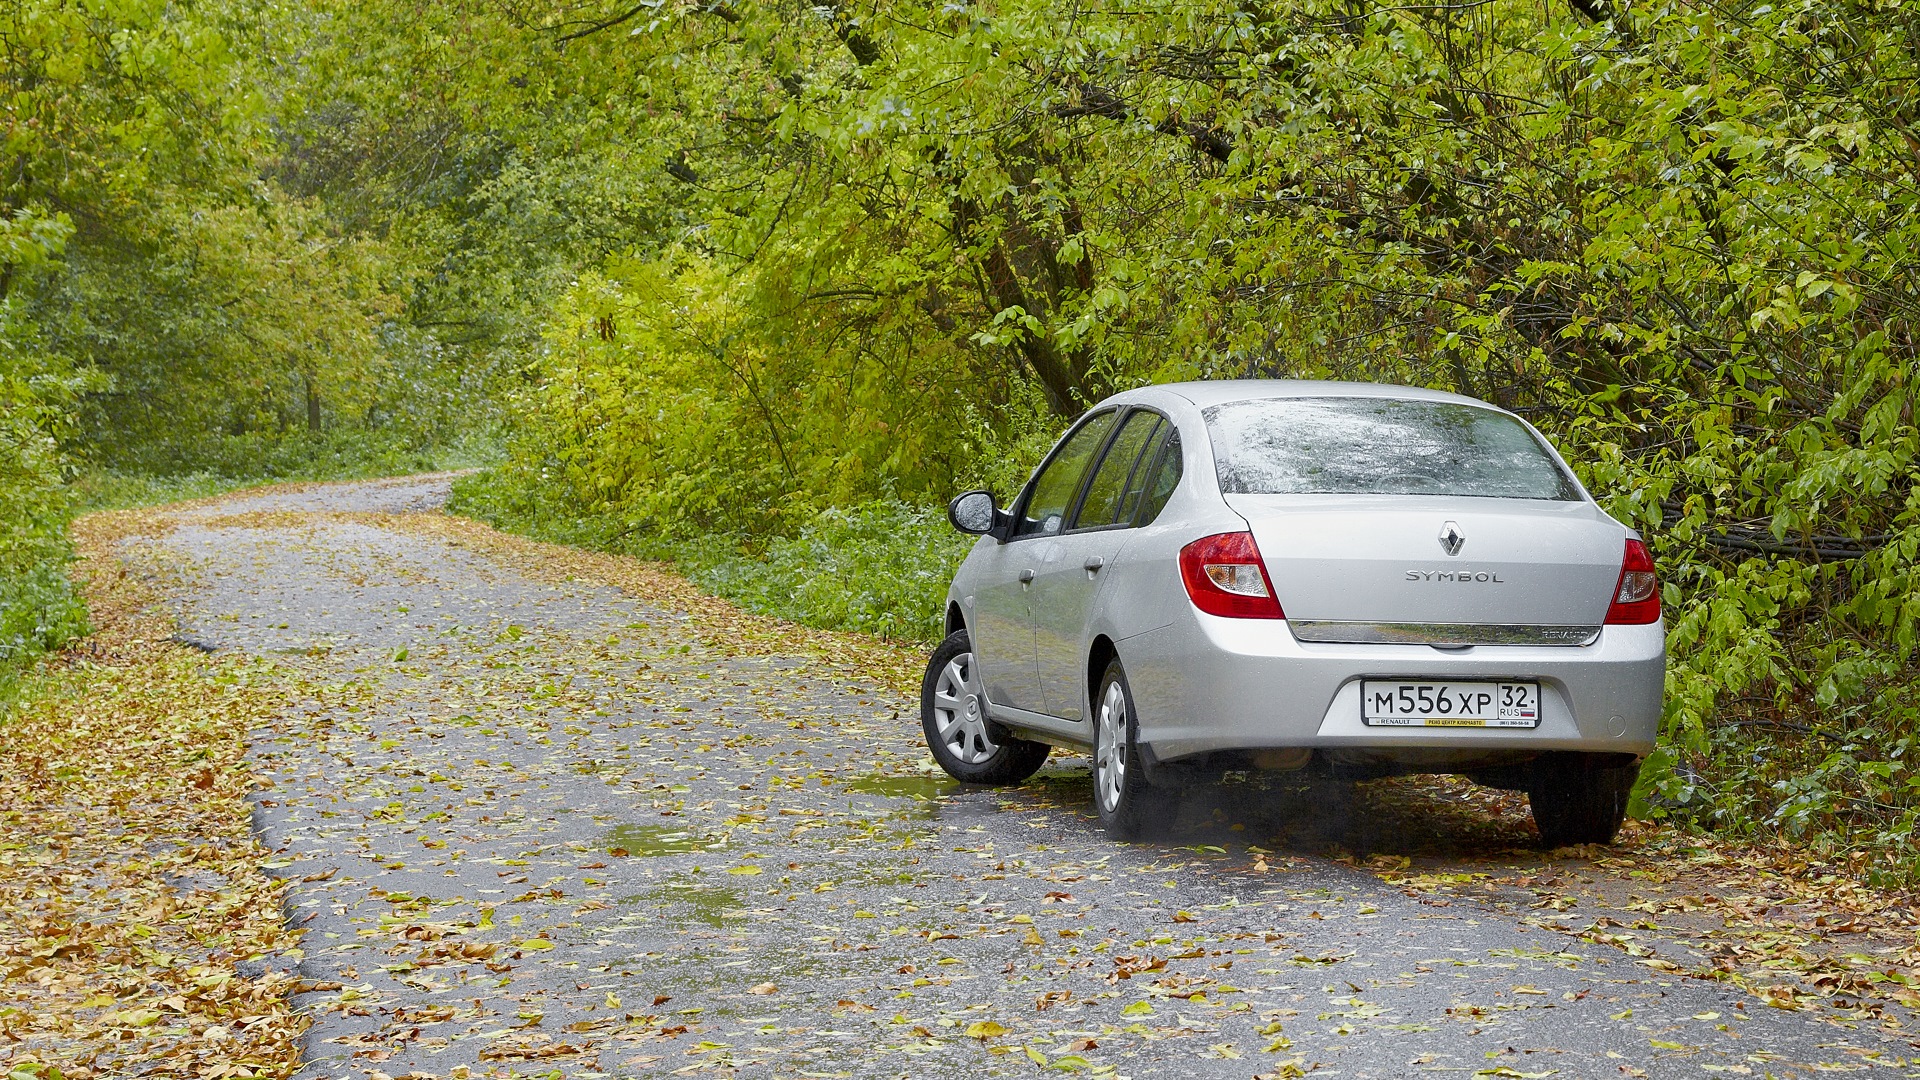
{"x":1579,"y":798}
{"x":1127,"y":803}
{"x":953,"y":713}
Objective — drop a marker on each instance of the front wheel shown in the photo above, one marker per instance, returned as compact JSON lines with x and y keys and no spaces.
{"x":1127,"y":804}
{"x":953,"y":712}
{"x":1579,"y":798}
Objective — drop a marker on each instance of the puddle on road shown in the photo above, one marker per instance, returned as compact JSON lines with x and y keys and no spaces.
{"x":710,"y":904}
{"x":654,"y":840}
{"x":924,"y":788}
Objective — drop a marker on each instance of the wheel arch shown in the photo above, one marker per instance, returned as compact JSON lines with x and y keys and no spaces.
{"x":956,"y":619}
{"x":1101,"y":653}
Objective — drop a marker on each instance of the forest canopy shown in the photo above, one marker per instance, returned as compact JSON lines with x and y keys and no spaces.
{"x":757,"y":285}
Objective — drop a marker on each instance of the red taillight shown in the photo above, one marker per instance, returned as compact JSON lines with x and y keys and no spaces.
{"x":1636,"y":599}
{"x":1225,"y":575}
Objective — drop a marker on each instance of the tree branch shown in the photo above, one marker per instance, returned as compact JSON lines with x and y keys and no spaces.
{"x":863,"y":48}
{"x":1595,"y":10}
{"x":717,"y":10}
{"x":1104,"y":103}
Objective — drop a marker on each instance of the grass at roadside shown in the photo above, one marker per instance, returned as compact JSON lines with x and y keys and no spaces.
{"x":880,"y":567}
{"x":133,"y":898}
{"x":717,"y":622}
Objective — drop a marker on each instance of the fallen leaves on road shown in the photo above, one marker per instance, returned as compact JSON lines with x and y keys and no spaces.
{"x":720,"y":624}
{"x":1788,"y":928}
{"x":136,"y":920}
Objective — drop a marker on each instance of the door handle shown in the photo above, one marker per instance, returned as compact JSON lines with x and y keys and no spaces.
{"x":1094,"y":563}
{"x":1026,"y":577}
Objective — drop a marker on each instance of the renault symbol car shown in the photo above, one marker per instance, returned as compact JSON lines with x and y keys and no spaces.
{"x":1369,"y":580}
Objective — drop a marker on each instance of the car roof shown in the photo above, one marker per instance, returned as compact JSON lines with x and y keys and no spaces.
{"x":1219,"y":392}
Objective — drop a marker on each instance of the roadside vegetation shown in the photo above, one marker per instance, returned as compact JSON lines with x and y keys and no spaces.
{"x":756,"y":286}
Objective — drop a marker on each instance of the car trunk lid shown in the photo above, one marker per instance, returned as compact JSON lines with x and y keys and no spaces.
{"x":1377,"y":567}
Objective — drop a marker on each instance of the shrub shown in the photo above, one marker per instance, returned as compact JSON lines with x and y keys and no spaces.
{"x":881,"y":567}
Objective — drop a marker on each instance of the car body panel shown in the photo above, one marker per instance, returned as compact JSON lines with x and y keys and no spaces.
{"x":1210,"y":684}
{"x":1063,"y":599}
{"x":1001,"y":623}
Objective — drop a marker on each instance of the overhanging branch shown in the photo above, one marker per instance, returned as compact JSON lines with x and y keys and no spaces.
{"x":717,"y":10}
{"x":1104,"y":103}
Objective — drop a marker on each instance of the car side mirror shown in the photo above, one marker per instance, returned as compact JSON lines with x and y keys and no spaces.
{"x":973,"y":512}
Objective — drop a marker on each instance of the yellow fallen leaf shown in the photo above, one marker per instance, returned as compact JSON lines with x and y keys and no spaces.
{"x":985,"y":1029}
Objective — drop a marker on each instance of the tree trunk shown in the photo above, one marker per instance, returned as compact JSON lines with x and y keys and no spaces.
{"x":313,"y":405}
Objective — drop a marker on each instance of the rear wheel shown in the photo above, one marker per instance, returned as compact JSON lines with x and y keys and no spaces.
{"x":953,"y":712}
{"x":1579,"y":798}
{"x":1127,"y":804}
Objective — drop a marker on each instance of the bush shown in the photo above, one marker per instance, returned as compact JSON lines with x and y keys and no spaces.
{"x":38,"y":607}
{"x":878,"y":567}
{"x":881,"y":567}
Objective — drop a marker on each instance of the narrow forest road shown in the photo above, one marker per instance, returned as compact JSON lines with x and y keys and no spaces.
{"x":541,"y":827}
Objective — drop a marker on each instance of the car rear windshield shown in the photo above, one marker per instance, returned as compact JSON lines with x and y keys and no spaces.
{"x":1379,"y":446}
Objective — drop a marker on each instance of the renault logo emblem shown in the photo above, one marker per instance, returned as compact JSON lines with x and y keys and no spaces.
{"x":1451,"y":538}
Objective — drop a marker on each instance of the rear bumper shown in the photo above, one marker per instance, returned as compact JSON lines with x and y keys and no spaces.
{"x":1208,"y":684}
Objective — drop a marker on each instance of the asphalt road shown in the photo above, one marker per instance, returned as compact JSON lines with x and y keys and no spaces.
{"x":538,"y":829}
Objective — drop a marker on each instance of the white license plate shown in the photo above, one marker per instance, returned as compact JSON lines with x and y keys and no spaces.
{"x":1406,"y":703}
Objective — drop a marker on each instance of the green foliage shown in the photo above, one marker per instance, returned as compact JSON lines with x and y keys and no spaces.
{"x":166,"y":307}
{"x":242,"y":320}
{"x":660,"y":408}
{"x":38,"y":607}
{"x":880,"y":567}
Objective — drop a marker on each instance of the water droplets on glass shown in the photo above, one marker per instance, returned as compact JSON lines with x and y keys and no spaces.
{"x":1379,"y":446}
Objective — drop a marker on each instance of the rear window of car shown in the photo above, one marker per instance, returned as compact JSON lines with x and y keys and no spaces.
{"x":1379,"y":446}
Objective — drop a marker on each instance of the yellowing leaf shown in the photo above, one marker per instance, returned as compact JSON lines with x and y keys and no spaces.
{"x":985,"y":1029}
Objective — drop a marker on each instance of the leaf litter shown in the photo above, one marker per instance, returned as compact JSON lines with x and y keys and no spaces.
{"x":139,"y":928}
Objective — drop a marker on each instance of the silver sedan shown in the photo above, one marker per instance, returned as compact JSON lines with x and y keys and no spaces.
{"x":1365,"y":580}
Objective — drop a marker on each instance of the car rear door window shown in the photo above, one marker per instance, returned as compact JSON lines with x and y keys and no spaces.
{"x":1107,"y":493}
{"x":1380,"y":446}
{"x":1059,"y":480}
{"x":1158,"y":475}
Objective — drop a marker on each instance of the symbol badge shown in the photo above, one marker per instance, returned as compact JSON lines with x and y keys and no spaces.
{"x":1451,"y":538}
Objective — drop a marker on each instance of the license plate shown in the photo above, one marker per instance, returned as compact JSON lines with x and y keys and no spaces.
{"x":1397,"y":703}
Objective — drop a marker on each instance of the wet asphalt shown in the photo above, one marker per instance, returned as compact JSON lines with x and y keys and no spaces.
{"x":537,"y":829}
